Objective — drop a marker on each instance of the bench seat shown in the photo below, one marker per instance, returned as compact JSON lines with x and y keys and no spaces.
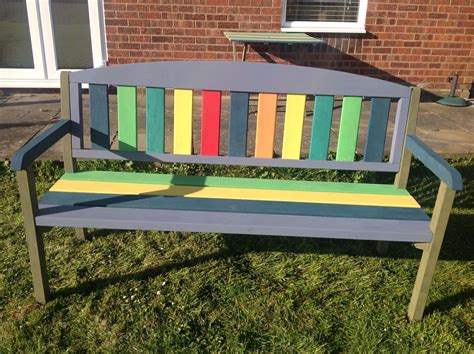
{"x":121,"y":200}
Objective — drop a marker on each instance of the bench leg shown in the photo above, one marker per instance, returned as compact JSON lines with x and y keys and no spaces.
{"x":382,"y":248}
{"x":430,"y":255}
{"x":34,"y":237}
{"x":82,"y":234}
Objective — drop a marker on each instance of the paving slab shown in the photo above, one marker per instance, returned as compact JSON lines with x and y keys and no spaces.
{"x":448,"y":130}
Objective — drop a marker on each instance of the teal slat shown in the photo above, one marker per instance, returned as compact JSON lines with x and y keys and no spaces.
{"x":232,"y":206}
{"x":321,"y":128}
{"x":155,"y":119}
{"x":99,"y":113}
{"x":377,"y":130}
{"x":239,"y":110}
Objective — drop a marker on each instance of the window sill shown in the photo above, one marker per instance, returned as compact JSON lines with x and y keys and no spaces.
{"x":322,"y":30}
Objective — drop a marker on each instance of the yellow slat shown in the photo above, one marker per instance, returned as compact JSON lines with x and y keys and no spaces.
{"x":234,"y":193}
{"x":294,"y":117}
{"x":183,"y":122}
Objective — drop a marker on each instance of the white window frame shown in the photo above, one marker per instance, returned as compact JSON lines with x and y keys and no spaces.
{"x":326,"y":27}
{"x":38,"y":70}
{"x":46,"y":72}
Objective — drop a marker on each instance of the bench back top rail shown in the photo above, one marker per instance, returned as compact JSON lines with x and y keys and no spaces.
{"x":240,"y":80}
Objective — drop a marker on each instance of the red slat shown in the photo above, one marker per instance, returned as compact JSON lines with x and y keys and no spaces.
{"x":211,"y":116}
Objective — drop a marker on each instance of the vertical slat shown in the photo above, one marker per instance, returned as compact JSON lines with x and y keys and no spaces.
{"x":75,"y":93}
{"x":99,"y":113}
{"x":239,"y":110}
{"x":127,"y":117}
{"x":183,"y":122}
{"x":348,"y":128}
{"x":210,"y":127}
{"x":321,"y":128}
{"x":155,"y":119}
{"x":377,"y":129}
{"x":266,"y":118}
{"x":293,"y":131}
{"x":399,"y":134}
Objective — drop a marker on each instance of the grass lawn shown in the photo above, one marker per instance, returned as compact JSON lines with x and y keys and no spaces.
{"x":137,"y":291}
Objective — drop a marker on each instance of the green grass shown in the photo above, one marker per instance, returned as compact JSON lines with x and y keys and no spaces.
{"x":137,"y":291}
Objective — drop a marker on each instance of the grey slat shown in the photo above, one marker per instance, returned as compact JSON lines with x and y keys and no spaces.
{"x":231,"y":160}
{"x":399,"y":134}
{"x":76,"y":116}
{"x":254,"y":224}
{"x":99,"y":115}
{"x":241,"y":77}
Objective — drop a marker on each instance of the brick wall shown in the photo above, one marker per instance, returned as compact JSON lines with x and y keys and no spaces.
{"x":417,"y":41}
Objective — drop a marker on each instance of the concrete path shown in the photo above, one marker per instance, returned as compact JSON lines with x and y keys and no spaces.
{"x":448,"y":130}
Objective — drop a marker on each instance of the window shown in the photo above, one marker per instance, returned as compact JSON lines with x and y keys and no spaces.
{"x":343,"y":16}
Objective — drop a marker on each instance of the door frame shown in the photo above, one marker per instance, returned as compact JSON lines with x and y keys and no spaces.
{"x":46,"y":74}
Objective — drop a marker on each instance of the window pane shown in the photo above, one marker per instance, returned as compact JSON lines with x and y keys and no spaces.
{"x":322,"y":11}
{"x":15,"y":40}
{"x":72,"y":34}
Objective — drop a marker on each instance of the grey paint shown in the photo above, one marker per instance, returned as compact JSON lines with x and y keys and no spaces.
{"x":240,"y":161}
{"x":241,"y":76}
{"x":398,"y":139}
{"x":253,"y":224}
{"x":76,"y":116}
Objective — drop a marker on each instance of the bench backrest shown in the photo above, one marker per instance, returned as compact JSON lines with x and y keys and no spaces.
{"x":239,"y":80}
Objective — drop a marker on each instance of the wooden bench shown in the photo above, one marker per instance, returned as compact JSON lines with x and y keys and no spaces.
{"x":115,"y":200}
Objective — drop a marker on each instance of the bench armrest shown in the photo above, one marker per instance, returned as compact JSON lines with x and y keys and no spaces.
{"x":25,"y":155}
{"x":435,"y":163}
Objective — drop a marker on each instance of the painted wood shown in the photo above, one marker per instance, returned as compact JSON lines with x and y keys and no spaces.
{"x":211,"y":122}
{"x":183,"y":122}
{"x":25,"y":155}
{"x":377,"y":130}
{"x":400,"y":130}
{"x":293,"y":131}
{"x":232,"y":206}
{"x":272,"y":37}
{"x":348,"y":128}
{"x":235,"y":223}
{"x":155,"y":119}
{"x":75,"y":94}
{"x":321,"y":127}
{"x":34,"y":239}
{"x":235,"y":193}
{"x":266,"y":119}
{"x":435,"y":163}
{"x":242,"y":77}
{"x":239,"y":111}
{"x":234,"y":182}
{"x":99,"y":115}
{"x":231,"y":160}
{"x":69,"y":161}
{"x":424,"y":278}
{"x":401,"y":178}
{"x":127,"y":118}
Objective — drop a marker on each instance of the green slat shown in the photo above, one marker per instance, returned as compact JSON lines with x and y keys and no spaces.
{"x":232,"y":206}
{"x":230,"y":182}
{"x":127,"y":118}
{"x":348,"y":128}
{"x":377,"y":130}
{"x":321,"y":129}
{"x":155,"y":119}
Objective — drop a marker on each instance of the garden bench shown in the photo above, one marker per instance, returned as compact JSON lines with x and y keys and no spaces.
{"x":119,"y":200}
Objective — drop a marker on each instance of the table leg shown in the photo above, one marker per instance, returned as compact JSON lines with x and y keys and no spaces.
{"x":244,"y":53}
{"x":234,"y":51}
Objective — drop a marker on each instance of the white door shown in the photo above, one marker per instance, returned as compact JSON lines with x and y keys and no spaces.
{"x":39,"y":38}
